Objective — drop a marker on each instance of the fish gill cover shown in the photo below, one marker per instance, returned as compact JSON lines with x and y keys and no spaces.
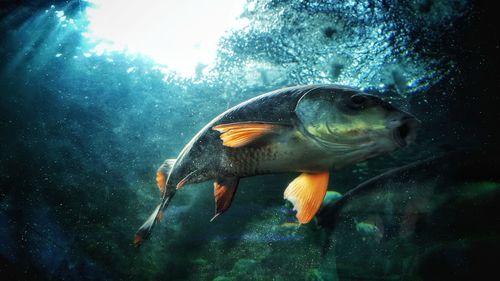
{"x":84,"y":125}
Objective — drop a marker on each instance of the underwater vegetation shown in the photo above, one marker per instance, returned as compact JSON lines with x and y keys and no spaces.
{"x":83,"y":131}
{"x":434,"y":214}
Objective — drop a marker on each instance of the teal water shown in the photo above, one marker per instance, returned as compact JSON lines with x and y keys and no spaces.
{"x":83,"y":133}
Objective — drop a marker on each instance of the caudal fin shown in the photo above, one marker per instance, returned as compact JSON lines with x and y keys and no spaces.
{"x":145,"y":230}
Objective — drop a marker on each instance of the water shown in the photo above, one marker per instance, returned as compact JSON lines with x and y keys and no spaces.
{"x":84,"y":128}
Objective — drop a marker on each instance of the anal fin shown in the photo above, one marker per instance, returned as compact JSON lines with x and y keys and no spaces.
{"x":306,"y":193}
{"x":224,"y":190}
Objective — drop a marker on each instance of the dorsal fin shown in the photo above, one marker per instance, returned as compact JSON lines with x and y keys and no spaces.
{"x":224,"y":190}
{"x":243,"y":133}
{"x":162,"y":174}
{"x":167,"y":166}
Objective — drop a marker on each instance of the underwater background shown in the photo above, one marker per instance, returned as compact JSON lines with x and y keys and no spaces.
{"x":84,"y":127}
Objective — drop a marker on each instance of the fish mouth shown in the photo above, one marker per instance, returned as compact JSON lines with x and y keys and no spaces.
{"x":406,"y":133}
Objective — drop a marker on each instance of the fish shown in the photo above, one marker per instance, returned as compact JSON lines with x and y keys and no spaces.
{"x":310,"y":130}
{"x":330,"y":198}
{"x":369,"y":231}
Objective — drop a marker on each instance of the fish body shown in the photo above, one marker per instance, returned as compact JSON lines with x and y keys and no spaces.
{"x":306,"y":129}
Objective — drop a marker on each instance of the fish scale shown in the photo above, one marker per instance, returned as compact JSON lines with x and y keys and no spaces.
{"x":247,"y":161}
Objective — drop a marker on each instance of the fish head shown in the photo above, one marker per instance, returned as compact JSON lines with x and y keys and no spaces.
{"x":349,"y":121}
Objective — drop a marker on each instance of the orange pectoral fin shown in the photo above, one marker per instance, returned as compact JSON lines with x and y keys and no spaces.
{"x":241,"y":134}
{"x":306,"y":193}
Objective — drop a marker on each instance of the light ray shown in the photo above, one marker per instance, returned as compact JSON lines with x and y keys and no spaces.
{"x":181,"y":34}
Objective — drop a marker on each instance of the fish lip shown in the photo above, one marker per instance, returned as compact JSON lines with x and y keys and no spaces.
{"x":406,"y":132}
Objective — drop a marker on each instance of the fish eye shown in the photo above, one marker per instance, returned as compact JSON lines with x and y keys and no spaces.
{"x":357,"y":101}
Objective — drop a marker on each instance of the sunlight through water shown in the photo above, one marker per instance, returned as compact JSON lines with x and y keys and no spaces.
{"x":180,"y":34}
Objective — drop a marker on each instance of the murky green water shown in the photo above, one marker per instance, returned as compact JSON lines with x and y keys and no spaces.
{"x":84,"y":128}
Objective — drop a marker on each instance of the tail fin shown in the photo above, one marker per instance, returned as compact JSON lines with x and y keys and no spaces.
{"x":146,"y":229}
